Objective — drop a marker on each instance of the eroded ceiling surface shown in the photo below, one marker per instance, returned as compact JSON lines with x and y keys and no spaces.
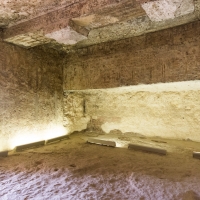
{"x":13,"y":11}
{"x":80,"y":23}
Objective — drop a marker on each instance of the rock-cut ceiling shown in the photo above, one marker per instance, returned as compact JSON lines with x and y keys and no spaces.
{"x":78,"y":23}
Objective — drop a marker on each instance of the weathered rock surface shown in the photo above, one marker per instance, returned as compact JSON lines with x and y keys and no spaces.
{"x":165,"y":56}
{"x":101,"y":21}
{"x":30,"y":95}
{"x":75,"y":118}
{"x":166,"y":110}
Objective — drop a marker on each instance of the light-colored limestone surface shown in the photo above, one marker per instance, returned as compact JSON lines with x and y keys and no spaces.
{"x":74,"y":112}
{"x":167,"y":9}
{"x":168,"y":110}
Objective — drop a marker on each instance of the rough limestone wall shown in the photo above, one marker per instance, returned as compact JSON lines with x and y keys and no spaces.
{"x":165,"y":56}
{"x":75,"y":118}
{"x":31,"y":95}
{"x":164,"y":110}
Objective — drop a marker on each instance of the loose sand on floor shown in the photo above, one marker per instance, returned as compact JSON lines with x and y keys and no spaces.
{"x":74,"y":169}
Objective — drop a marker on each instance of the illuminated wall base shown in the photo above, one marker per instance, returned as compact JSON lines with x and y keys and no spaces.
{"x":40,"y":143}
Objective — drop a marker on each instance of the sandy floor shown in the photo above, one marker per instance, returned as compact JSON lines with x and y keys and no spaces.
{"x":74,"y":169}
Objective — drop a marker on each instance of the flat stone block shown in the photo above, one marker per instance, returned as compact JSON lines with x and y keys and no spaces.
{"x":147,"y":149}
{"x":57,"y":139}
{"x":4,"y":154}
{"x":30,"y":146}
{"x":102,"y":142}
{"x":196,"y":155}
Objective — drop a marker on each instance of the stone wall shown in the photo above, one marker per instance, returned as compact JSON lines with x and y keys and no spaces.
{"x":31,"y":95}
{"x":169,"y":110}
{"x":165,"y":56}
{"x":75,"y":118}
{"x":170,"y":55}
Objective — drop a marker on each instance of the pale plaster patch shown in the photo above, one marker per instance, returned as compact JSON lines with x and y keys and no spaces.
{"x":94,"y":21}
{"x":167,"y":9}
{"x":75,"y":118}
{"x":66,"y":36}
{"x":84,"y":20}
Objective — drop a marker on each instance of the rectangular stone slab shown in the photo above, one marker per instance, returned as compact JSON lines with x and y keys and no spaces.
{"x":147,"y":149}
{"x":57,"y":139}
{"x":102,"y":142}
{"x":4,"y":154}
{"x":196,"y":155}
{"x":30,"y":146}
